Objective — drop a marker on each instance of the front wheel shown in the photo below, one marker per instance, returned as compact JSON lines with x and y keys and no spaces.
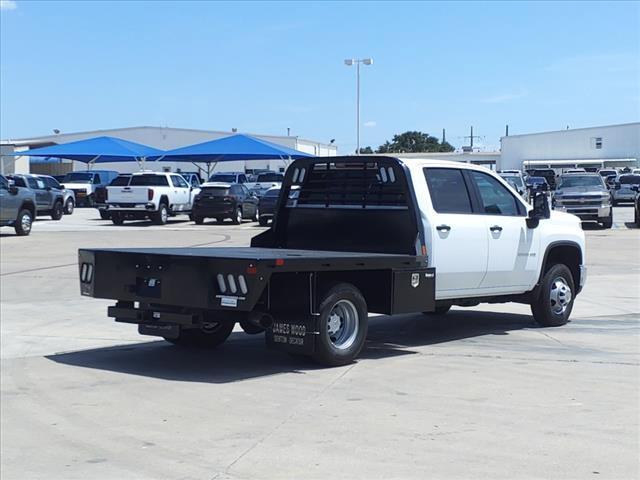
{"x":342,"y":326}
{"x":209,"y":335}
{"x":554,"y":300}
{"x":23,"y":223}
{"x":69,"y":206}
{"x":263,"y":221}
{"x":104,"y":214}
{"x":608,"y":222}
{"x":440,"y":310}
{"x":117,"y":218}
{"x":198,"y":219}
{"x":256,"y":215}
{"x":57,"y":211}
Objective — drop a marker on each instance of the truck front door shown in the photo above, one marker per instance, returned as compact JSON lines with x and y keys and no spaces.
{"x":459,"y":239}
{"x":513,"y":248}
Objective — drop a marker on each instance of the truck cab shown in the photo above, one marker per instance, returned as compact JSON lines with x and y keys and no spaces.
{"x":84,"y":184}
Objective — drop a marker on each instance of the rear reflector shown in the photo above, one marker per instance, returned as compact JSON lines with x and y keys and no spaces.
{"x":279,"y":262}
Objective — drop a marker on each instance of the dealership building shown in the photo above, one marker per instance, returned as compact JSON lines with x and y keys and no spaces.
{"x":593,"y":147}
{"x":163,"y":138}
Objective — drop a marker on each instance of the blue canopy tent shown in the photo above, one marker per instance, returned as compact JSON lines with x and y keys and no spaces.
{"x":227,"y":149}
{"x":96,"y":150}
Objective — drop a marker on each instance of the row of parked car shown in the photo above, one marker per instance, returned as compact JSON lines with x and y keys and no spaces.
{"x":588,"y":195}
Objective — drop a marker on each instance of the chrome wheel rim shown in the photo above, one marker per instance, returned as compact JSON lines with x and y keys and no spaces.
{"x":257,"y":216}
{"x":560,"y":296}
{"x":239,"y":216}
{"x":342,"y":324}
{"x":164,"y":214}
{"x":25,"y":222}
{"x":69,"y":207}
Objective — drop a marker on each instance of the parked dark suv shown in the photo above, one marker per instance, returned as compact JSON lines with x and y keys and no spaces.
{"x":224,"y":200}
{"x":49,"y":201}
{"x":17,"y":207}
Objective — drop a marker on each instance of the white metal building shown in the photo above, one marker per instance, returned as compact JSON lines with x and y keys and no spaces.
{"x":611,"y":146}
{"x":163,"y":138}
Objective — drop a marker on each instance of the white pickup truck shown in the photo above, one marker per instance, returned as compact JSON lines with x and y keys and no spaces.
{"x":363,"y":234}
{"x":153,"y":195}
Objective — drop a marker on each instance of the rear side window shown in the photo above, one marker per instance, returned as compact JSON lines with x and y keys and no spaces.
{"x":50,"y":182}
{"x":630,"y":179}
{"x":178,"y":181}
{"x":33,"y":183}
{"x":149,"y":181}
{"x":448,"y":190}
{"x":495,"y":198}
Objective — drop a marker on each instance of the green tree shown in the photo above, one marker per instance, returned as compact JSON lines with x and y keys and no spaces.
{"x":366,"y":150}
{"x":414,"y":142}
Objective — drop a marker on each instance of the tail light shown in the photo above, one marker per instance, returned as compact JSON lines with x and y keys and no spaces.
{"x":150,"y":194}
{"x":106,"y":194}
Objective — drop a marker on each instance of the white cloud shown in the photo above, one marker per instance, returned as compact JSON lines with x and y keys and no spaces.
{"x":8,"y":5}
{"x":505,"y":97}
{"x":370,"y":124}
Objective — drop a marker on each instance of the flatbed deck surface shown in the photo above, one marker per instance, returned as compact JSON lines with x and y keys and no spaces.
{"x":255,"y":253}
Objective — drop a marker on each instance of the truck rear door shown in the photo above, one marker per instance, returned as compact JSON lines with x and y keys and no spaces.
{"x":459,"y":238}
{"x":138,"y":189}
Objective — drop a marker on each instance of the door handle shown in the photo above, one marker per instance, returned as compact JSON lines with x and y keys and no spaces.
{"x":443,"y":228}
{"x":496,"y":228}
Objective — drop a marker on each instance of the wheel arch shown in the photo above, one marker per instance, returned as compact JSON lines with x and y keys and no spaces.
{"x":29,"y":205}
{"x":566,"y":252}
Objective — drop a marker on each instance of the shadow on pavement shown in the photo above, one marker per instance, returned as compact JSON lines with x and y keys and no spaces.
{"x":244,"y":357}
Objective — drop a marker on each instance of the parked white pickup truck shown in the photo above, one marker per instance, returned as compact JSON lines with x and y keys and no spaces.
{"x":365,"y":234}
{"x":153,"y":195}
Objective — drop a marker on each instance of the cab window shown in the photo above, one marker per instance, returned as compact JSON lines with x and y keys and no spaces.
{"x":178,"y":181}
{"x":448,"y":190}
{"x":96,"y":180}
{"x":494,"y":197}
{"x":33,"y":183}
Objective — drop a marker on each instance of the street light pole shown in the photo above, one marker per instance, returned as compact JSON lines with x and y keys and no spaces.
{"x":349,"y":62}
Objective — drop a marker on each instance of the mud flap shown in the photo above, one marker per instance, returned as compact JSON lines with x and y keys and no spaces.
{"x":293,"y":334}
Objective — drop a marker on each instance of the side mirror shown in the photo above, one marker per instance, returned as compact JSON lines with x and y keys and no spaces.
{"x":540,"y":209}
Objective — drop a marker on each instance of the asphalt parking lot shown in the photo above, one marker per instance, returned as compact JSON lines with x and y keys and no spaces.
{"x":479,"y":393}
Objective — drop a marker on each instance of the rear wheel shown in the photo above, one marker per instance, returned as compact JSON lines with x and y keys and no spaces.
{"x":237,"y":219}
{"x":263,"y":221}
{"x":104,"y":214}
{"x":210,"y":335}
{"x":162,"y":215}
{"x":198,"y":220}
{"x":57,"y":211}
{"x":23,"y":223}
{"x":117,"y":218}
{"x":250,"y":328}
{"x":219,"y":219}
{"x":69,"y":206}
{"x":554,"y":301}
{"x":342,"y":326}
{"x":256,"y":215}
{"x":440,"y":310}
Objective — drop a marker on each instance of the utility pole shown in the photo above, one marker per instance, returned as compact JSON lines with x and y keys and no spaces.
{"x":444,"y":135}
{"x":349,"y":62}
{"x":506,"y":130}
{"x":471,"y":137}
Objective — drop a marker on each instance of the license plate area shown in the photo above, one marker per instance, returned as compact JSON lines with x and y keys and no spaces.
{"x":159,"y":330}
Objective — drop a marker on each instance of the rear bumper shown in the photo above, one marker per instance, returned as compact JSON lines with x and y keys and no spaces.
{"x":624,"y":196}
{"x":130,"y":207}
{"x":214,"y":210}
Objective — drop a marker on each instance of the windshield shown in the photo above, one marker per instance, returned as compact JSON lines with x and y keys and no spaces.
{"x":270,"y":177}
{"x":121,"y":181}
{"x":215,"y":191}
{"x":149,"y":181}
{"x":630,"y":179}
{"x":82,"y":177}
{"x":223,"y":178}
{"x":514,"y":180}
{"x":581,"y":181}
{"x":606,"y":173}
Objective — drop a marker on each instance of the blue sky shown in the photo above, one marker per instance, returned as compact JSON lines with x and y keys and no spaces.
{"x":262,"y":67}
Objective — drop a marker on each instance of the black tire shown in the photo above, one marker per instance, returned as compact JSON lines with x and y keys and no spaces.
{"x":104,"y":214}
{"x":341,"y":340}
{"x":219,"y":219}
{"x":237,"y":219}
{"x":117,"y":218}
{"x":160,"y":217}
{"x":24,"y":222}
{"x":608,"y":222}
{"x":263,"y":221}
{"x":90,"y":201}
{"x":440,"y":310}
{"x":250,"y":328}
{"x":57,"y":211}
{"x":553,"y":309}
{"x":69,"y":206}
{"x":209,"y":337}
{"x":198,"y":220}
